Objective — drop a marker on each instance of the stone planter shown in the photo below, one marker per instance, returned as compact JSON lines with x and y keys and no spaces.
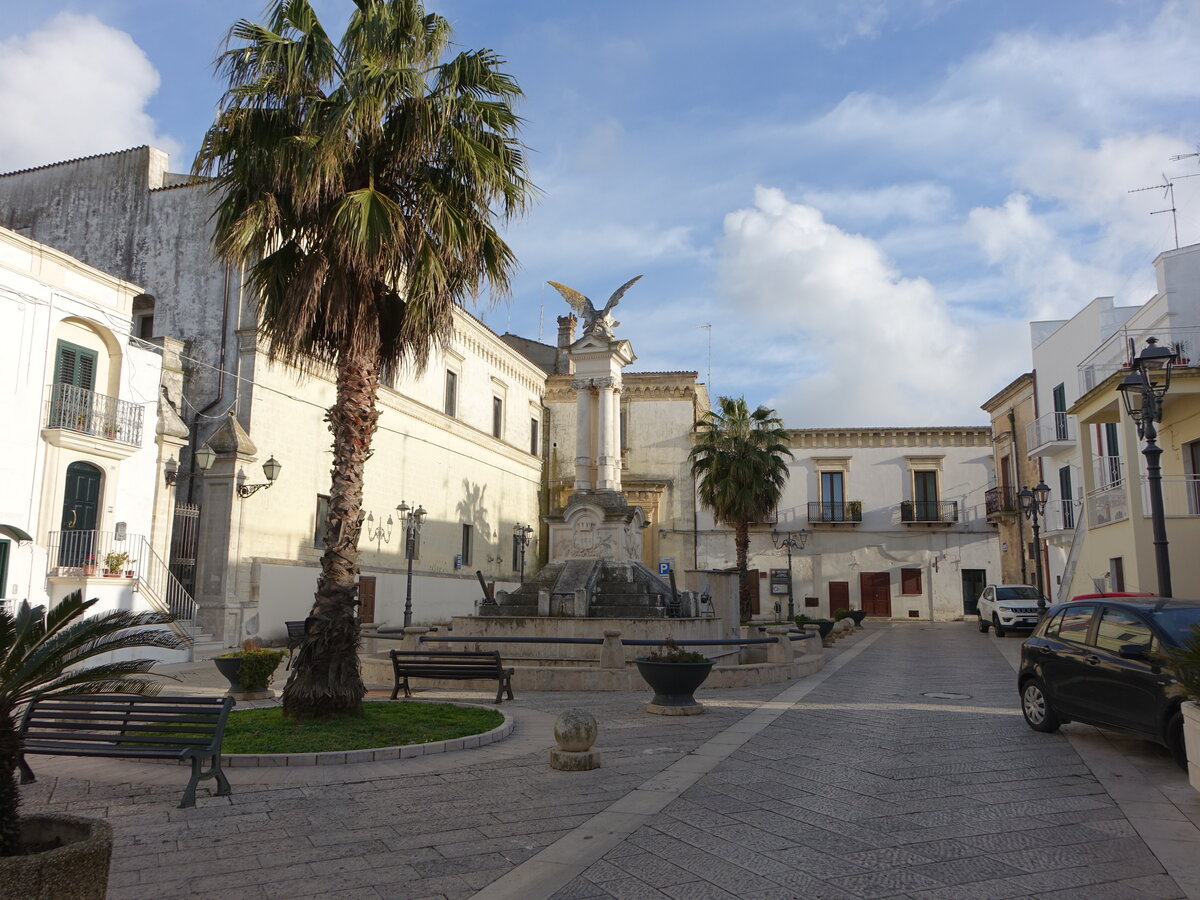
{"x":673,"y":685}
{"x":858,"y":615}
{"x":1191,"y":739}
{"x":75,"y":870}
{"x":231,"y":668}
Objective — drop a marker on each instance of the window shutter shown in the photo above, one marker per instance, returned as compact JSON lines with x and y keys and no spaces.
{"x":64,"y":364}
{"x":910,"y":581}
{"x":85,"y":377}
{"x":75,"y":365}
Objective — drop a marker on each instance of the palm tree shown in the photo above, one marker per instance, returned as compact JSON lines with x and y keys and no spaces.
{"x":40,"y":656}
{"x":738,"y":461}
{"x":361,"y":183}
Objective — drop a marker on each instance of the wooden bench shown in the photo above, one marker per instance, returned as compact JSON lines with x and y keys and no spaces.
{"x":457,"y":665}
{"x":130,"y":727}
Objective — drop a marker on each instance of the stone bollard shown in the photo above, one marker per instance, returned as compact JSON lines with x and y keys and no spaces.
{"x":412,"y":637}
{"x":780,"y":652}
{"x":612,"y":654}
{"x":575,"y":732}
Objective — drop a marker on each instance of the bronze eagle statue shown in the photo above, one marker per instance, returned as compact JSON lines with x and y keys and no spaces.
{"x":594,"y":320}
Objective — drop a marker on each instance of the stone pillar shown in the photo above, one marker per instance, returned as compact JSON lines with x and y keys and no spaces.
{"x":780,"y":652}
{"x":616,"y":436}
{"x":412,"y":637}
{"x":583,"y":435}
{"x":604,"y":439}
{"x":612,"y":654}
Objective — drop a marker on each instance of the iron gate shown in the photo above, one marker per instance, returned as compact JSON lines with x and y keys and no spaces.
{"x":185,"y":531}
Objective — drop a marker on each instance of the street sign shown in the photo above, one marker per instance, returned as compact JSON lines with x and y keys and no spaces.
{"x":665,"y":565}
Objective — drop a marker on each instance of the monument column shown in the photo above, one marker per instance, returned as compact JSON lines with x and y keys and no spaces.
{"x":616,"y":435}
{"x":604,"y":441}
{"x":583,"y":434}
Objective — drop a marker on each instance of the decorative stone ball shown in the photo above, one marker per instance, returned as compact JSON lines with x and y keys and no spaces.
{"x":575,"y":730}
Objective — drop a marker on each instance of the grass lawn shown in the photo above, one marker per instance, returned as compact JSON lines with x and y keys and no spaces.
{"x":382,"y":724}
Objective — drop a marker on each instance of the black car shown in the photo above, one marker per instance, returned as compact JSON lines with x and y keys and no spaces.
{"x":1100,"y":661}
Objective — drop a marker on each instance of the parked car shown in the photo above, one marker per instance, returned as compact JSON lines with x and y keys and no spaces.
{"x":1112,"y":594}
{"x":1100,"y":661}
{"x":1008,"y":607}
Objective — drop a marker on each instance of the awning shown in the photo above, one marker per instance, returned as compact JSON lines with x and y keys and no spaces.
{"x":15,"y":533}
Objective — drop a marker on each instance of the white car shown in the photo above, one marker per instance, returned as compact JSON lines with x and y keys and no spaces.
{"x":1008,"y":606}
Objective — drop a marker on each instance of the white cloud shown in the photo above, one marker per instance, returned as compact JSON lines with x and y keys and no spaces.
{"x":72,"y":88}
{"x":920,"y":202}
{"x":882,"y":349}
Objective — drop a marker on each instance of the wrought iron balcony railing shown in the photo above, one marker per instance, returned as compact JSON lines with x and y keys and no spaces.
{"x":77,"y":409}
{"x":943,"y":512}
{"x":1000,"y":500}
{"x":849,"y":511}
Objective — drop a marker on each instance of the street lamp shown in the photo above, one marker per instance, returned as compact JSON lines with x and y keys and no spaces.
{"x":271,"y":469}
{"x":380,"y":535}
{"x":1141,"y":382}
{"x":204,"y":457}
{"x":521,"y":537}
{"x":1033,"y":504}
{"x":411,"y":520}
{"x":789,"y":540}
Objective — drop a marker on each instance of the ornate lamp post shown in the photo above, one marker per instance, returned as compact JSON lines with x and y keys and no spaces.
{"x":411,"y":520}
{"x":380,"y":535}
{"x":1033,"y":504}
{"x":1140,"y":382}
{"x":521,"y":536}
{"x":789,"y":540}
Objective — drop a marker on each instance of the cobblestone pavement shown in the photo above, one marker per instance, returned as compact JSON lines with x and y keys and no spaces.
{"x":857,"y":782}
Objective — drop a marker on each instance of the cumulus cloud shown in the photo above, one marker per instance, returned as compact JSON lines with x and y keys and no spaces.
{"x":920,"y":202}
{"x":870,"y":345}
{"x":72,"y":88}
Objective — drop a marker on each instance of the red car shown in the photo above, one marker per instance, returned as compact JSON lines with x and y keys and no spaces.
{"x":1110,"y":594}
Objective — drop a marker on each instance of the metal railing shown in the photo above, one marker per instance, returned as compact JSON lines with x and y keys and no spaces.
{"x":81,"y":554}
{"x":1107,"y":505}
{"x":1000,"y":500}
{"x":1108,"y":471}
{"x":835,"y":511}
{"x":1053,"y":427}
{"x":77,"y":409}
{"x":1181,"y":495}
{"x":944,"y":511}
{"x":1061,"y":515}
{"x":1113,"y":354}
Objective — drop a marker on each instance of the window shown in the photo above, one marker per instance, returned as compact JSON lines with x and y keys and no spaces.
{"x":925,"y":493}
{"x":1116,"y":573}
{"x":1065,"y":495}
{"x":497,"y":417}
{"x":466,"y":545}
{"x":1118,"y":628}
{"x":534,"y":445}
{"x":1060,"y":412}
{"x":1075,"y":623}
{"x":833,"y":507}
{"x":910,"y":581}
{"x":624,"y":426}
{"x":322,"y":521}
{"x":144,"y":326}
{"x":516,"y":553}
{"x":75,"y":365}
{"x":451,"y":393}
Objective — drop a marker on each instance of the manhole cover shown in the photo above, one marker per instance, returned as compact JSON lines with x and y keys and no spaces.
{"x":945,"y":695}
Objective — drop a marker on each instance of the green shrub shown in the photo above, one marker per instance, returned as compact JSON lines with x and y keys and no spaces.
{"x":671,"y":652}
{"x":258,"y":667}
{"x":1186,"y":662}
{"x":841,"y":614}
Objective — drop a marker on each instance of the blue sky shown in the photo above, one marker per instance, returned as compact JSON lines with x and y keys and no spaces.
{"x":866,"y":200}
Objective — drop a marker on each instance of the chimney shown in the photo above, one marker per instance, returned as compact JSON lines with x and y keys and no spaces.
{"x":566,"y":330}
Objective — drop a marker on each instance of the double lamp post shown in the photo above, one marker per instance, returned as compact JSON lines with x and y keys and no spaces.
{"x":789,"y":540}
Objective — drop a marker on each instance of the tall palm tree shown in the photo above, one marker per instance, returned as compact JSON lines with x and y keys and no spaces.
{"x":738,"y":459}
{"x":41,"y":655}
{"x":361,"y":182}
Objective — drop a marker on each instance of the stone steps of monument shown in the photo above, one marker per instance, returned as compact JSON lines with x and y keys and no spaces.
{"x":609,"y":611}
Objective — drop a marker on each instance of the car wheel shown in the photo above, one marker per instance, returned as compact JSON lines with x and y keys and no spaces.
{"x":1175,"y":742}
{"x":1036,"y":708}
{"x":983,"y":624}
{"x":1000,"y":632}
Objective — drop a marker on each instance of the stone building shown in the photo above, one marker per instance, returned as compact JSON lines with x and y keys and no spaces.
{"x":1012,"y":409}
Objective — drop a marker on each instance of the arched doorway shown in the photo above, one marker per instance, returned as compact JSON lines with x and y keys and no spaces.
{"x":81,"y":508}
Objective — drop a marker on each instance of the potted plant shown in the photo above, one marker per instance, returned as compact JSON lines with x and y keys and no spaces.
{"x":674,"y":674}
{"x":1186,"y":662}
{"x":130,"y":571}
{"x":41,"y":654}
{"x":825,"y":625}
{"x":249,"y":671}
{"x":89,"y":566}
{"x":114,"y":562}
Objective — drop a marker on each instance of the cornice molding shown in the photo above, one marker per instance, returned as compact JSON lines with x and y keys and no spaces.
{"x":851,"y":438}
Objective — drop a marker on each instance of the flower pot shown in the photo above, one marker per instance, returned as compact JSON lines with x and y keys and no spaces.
{"x":108,"y":574}
{"x":673,"y":685}
{"x":1191,"y":740}
{"x":129,"y":573}
{"x":858,"y":615}
{"x":231,"y":668}
{"x":89,"y":570}
{"x":75,"y":867}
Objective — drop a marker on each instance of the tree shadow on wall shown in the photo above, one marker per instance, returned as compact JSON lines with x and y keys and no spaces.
{"x":473,"y":511}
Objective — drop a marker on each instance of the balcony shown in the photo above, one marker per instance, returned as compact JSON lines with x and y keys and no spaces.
{"x":1060,"y":515}
{"x":1050,"y":433}
{"x":832,"y":512}
{"x":1108,"y":472}
{"x":73,"y":412}
{"x":1113,"y":355}
{"x":929,"y":512}
{"x":1181,"y":495}
{"x":1107,"y":505}
{"x":1001,"y":501}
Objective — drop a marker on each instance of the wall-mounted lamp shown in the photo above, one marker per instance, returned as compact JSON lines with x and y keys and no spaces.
{"x":271,"y":469}
{"x":204,"y":457}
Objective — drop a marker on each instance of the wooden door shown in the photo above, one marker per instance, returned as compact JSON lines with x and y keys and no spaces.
{"x":81,"y":506}
{"x":366,"y":597}
{"x":973,"y":583}
{"x":752,"y":580}
{"x":839,"y":596}
{"x":876,"y":591}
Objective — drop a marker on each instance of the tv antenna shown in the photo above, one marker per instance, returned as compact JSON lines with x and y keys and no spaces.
{"x":1168,"y":188}
{"x":1186,"y":155}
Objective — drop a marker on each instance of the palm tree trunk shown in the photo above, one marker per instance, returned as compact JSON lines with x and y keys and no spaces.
{"x":326,"y":678}
{"x":741,"y":543}
{"x":10,"y":795}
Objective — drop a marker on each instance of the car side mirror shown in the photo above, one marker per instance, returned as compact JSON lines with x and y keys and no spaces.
{"x":1134,"y":651}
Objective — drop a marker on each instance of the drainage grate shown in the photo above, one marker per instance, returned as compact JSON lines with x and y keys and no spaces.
{"x":945,"y":695}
